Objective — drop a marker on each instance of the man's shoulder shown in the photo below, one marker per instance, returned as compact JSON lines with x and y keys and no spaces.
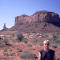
{"x":51,"y":50}
{"x":41,"y":50}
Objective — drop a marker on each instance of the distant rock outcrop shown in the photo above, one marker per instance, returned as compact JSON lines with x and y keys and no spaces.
{"x":4,"y":28}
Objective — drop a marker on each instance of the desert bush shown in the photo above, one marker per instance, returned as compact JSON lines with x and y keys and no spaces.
{"x":25,"y":40}
{"x":54,"y":46}
{"x":44,"y":36}
{"x":55,"y":37}
{"x":6,"y":41}
{"x":27,"y":54}
{"x":41,"y":43}
{"x":12,"y":54}
{"x":57,"y":41}
{"x":20,"y":37}
{"x":6,"y":48}
{"x":19,"y":50}
{"x":1,"y":40}
{"x":34,"y":41}
{"x":29,"y":45}
{"x":6,"y":54}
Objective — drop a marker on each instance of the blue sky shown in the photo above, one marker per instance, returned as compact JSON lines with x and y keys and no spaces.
{"x":9,"y":9}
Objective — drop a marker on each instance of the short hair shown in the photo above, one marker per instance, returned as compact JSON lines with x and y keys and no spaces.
{"x":46,"y":41}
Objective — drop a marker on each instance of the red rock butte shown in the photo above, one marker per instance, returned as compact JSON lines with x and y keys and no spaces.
{"x":41,"y":21}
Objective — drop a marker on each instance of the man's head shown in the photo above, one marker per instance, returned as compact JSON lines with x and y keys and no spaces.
{"x":46,"y":44}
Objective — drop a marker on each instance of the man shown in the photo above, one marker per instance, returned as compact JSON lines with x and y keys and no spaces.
{"x":46,"y":53}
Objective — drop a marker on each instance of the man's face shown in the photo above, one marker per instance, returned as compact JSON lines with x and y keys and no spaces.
{"x":46,"y":45}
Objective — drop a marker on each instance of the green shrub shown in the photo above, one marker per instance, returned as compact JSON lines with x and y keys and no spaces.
{"x":25,"y":40}
{"x":54,"y":46}
{"x":19,"y":50}
{"x":34,"y":41}
{"x":6,"y":54}
{"x":12,"y":54}
{"x":44,"y":36}
{"x":27,"y":54}
{"x":20,"y":37}
{"x":41,"y":43}
{"x":29,"y":45}
{"x":55,"y":37}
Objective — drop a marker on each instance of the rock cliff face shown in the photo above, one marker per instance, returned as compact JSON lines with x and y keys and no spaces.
{"x":38,"y":17}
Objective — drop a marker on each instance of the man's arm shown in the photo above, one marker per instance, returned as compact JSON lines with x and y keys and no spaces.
{"x":54,"y":57}
{"x":39,"y":56}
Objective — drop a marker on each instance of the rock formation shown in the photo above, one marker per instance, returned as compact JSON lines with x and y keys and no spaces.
{"x":41,"y":21}
{"x":4,"y":28}
{"x":38,"y":17}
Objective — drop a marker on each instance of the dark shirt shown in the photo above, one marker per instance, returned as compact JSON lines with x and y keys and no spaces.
{"x":47,"y":55}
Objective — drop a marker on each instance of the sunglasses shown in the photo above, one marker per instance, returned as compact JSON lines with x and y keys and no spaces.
{"x":46,"y":44}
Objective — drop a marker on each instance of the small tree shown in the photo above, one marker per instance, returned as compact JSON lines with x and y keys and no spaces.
{"x":20,"y":37}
